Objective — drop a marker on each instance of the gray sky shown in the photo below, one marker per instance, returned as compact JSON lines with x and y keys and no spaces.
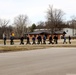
{"x":35,"y":9}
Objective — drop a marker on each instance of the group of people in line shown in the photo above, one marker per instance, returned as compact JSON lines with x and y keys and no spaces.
{"x":69,"y":38}
{"x":40,"y":40}
{"x":11,"y":38}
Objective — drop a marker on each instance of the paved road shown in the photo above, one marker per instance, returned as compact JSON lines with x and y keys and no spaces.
{"x":52,"y":61}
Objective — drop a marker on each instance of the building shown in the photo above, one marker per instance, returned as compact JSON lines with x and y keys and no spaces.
{"x":70,"y":31}
{"x":47,"y":33}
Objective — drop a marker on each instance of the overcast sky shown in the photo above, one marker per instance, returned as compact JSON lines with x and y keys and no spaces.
{"x":35,"y":9}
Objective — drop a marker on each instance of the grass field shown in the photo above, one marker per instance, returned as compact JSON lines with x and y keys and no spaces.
{"x":17,"y":47}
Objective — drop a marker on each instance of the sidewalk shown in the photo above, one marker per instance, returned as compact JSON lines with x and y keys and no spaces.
{"x":60,"y":43}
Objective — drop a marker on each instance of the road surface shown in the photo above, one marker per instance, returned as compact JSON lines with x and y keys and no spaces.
{"x":51,"y":61}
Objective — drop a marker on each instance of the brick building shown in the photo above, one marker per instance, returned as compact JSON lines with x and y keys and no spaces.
{"x":44,"y":32}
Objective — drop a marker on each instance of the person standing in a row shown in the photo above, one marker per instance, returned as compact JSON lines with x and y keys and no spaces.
{"x":56,"y":39}
{"x":50,"y":40}
{"x":21,"y":40}
{"x":69,"y":39}
{"x":44,"y":39}
{"x":4,"y":38}
{"x":34,"y":40}
{"x":64,"y":37}
{"x":28,"y":40}
{"x":39,"y":39}
{"x":11,"y":39}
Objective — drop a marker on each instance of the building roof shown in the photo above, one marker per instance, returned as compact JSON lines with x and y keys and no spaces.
{"x":43,"y":32}
{"x":58,"y":32}
{"x":39,"y":32}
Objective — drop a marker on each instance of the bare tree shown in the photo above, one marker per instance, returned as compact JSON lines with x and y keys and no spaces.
{"x":73,"y":24}
{"x":3,"y":26}
{"x":54,"y":19}
{"x":20,"y":23}
{"x":40,"y":25}
{"x":3,"y":22}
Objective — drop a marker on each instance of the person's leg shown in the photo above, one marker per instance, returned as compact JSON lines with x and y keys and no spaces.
{"x":4,"y":42}
{"x":56,"y":41}
{"x":34,"y":42}
{"x":10,"y":42}
{"x":44,"y":42}
{"x":38,"y":41}
{"x":41,"y":41}
{"x":69,"y":42}
{"x":64,"y":41}
{"x":21,"y":41}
